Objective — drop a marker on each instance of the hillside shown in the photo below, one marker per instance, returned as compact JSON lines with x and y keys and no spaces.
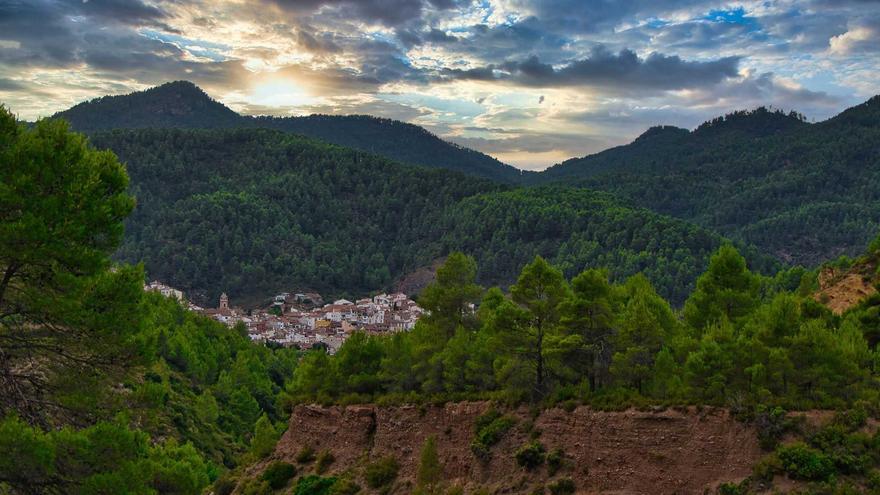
{"x":181,"y":104}
{"x":603,"y":452}
{"x":254,"y":212}
{"x":802,"y":192}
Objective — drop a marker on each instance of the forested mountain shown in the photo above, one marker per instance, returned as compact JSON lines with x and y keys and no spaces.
{"x":803,"y":192}
{"x":253,"y":212}
{"x":181,"y":104}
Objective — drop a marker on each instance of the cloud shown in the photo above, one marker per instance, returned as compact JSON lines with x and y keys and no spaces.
{"x":385,"y":12}
{"x":624,"y":70}
{"x":528,"y":80}
{"x":862,"y":37}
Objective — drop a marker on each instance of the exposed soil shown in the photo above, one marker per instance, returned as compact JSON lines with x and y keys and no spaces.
{"x":840,"y":291}
{"x":630,"y":452}
{"x":412,"y":283}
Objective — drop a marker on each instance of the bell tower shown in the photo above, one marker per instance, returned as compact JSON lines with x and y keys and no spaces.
{"x":224,"y":302}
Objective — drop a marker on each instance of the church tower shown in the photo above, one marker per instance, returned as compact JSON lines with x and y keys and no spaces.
{"x":224,"y":302}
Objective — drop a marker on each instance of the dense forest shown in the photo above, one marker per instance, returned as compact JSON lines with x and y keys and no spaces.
{"x":106,"y":389}
{"x":181,"y":104}
{"x":254,"y":212}
{"x":801,"y":192}
{"x":103,"y":388}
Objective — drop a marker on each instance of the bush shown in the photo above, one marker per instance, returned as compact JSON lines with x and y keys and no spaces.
{"x":278,"y":474}
{"x":562,"y":486}
{"x":490,"y":428}
{"x":305,"y":455}
{"x":314,"y":485}
{"x":531,"y":455}
{"x":381,"y":473}
{"x":803,"y":462}
{"x":771,"y":425}
{"x":323,"y":461}
{"x":554,"y":461}
{"x":344,"y":486}
{"x":224,"y":486}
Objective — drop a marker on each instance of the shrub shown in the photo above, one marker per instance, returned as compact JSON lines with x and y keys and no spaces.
{"x":381,"y":473}
{"x":490,"y":428}
{"x":256,"y":487}
{"x":771,"y":425}
{"x":874,"y":479}
{"x":224,"y":486}
{"x":803,"y":462}
{"x":344,"y":486}
{"x":305,"y":455}
{"x":314,"y":485}
{"x":323,"y":461}
{"x":554,"y":461}
{"x":531,"y":455}
{"x":278,"y":474}
{"x":562,"y":486}
{"x":732,"y":489}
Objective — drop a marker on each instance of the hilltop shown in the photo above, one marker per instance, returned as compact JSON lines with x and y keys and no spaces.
{"x":799,"y":191}
{"x":181,"y":104}
{"x":254,"y":212}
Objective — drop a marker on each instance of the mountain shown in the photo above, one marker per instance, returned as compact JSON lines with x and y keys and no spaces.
{"x":254,"y":212}
{"x":175,"y":104}
{"x":803,"y":192}
{"x":181,"y":104}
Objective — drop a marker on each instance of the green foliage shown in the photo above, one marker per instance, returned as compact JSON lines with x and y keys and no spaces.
{"x":771,"y":424}
{"x":762,"y":177}
{"x":253,"y":212}
{"x":344,"y":486}
{"x":107,"y":457}
{"x":181,"y":104}
{"x":562,"y":486}
{"x":489,"y":428}
{"x":381,"y":473}
{"x":726,"y":291}
{"x":314,"y":485}
{"x":305,"y":455}
{"x":555,"y":460}
{"x":265,"y":437}
{"x":278,"y":474}
{"x":62,"y":204}
{"x":803,"y":462}
{"x":323,"y":461}
{"x":430,"y":472}
{"x":612,"y":346}
{"x":531,"y":455}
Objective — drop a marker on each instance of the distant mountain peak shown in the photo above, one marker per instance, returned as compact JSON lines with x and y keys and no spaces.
{"x":661,"y":132}
{"x":758,"y":122}
{"x":173,"y":104}
{"x":182,"y":104}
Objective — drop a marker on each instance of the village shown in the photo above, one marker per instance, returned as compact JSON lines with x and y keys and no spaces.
{"x":303,"y":320}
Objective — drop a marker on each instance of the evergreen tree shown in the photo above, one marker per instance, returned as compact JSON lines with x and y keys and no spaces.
{"x":63,"y":312}
{"x":727,"y":290}
{"x":430,"y":471}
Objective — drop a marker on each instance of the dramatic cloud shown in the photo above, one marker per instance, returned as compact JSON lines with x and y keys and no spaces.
{"x":608,"y":70}
{"x":530,"y":81}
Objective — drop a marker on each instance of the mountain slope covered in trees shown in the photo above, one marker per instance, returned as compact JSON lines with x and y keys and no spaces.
{"x":803,"y":192}
{"x":181,"y":104}
{"x":253,"y":212}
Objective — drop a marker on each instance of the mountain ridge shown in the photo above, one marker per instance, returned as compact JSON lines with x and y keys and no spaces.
{"x":182,"y":104}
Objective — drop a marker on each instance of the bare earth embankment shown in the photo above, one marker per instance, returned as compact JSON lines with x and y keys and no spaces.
{"x":671,"y":451}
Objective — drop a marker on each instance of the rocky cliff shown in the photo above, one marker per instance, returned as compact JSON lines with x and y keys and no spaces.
{"x":669,"y":451}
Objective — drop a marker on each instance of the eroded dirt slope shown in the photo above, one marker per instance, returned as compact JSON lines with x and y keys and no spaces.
{"x":673,"y":451}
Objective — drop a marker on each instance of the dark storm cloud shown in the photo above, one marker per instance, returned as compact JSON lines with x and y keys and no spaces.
{"x":386,"y":12}
{"x":54,"y":33}
{"x":605,"y":69}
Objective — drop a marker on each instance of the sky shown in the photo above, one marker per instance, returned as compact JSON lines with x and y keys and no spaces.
{"x":531,"y":82}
